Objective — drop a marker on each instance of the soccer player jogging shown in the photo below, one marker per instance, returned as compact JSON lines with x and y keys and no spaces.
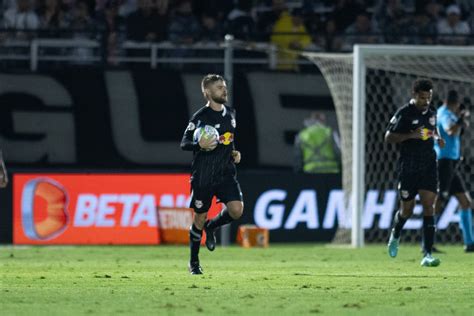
{"x":414,"y":127}
{"x":213,"y":171}
{"x":451,"y":119}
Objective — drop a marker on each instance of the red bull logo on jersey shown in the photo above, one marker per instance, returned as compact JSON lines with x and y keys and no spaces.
{"x":44,"y":213}
{"x":226,"y":139}
{"x":426,"y":134}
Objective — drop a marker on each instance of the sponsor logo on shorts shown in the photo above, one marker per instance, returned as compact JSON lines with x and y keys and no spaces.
{"x":198,"y":203}
{"x":415,"y":122}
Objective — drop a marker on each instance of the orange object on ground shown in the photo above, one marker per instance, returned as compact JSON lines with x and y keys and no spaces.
{"x":252,"y":236}
{"x":173,"y":225}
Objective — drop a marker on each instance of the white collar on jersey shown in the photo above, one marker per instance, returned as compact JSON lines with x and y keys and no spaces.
{"x":412,"y":101}
{"x":224,"y":111}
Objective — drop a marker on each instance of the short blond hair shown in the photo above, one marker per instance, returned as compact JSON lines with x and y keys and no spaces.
{"x":209,"y":79}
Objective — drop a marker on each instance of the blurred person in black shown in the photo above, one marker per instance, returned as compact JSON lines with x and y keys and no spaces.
{"x":240,"y":22}
{"x":184,"y":27}
{"x":217,"y":8}
{"x":52,"y":17}
{"x":345,"y":13}
{"x":363,"y":30}
{"x":211,"y":29}
{"x":268,"y":18}
{"x":414,"y":127}
{"x":149,"y":22}
{"x":213,"y":171}
{"x":113,"y":27}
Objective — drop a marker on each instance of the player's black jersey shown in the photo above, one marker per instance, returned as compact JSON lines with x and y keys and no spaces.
{"x":210,"y":167}
{"x":415,"y":154}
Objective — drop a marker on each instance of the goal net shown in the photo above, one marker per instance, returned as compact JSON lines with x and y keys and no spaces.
{"x":367,"y":87}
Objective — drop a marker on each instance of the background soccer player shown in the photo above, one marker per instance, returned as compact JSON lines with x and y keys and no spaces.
{"x":451,"y":120}
{"x":213,"y":167}
{"x":414,"y":127}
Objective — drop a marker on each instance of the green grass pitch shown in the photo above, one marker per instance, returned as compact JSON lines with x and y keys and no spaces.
{"x":280,"y":280}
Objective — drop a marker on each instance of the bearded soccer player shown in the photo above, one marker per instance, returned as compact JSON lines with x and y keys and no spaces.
{"x":413,"y":127}
{"x":213,"y":167}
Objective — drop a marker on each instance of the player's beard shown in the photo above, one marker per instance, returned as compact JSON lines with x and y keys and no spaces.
{"x":219,"y":99}
{"x":424,"y":106}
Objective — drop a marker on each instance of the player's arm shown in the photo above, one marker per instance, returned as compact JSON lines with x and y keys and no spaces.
{"x":453,"y":128}
{"x":399,"y":131}
{"x":437,"y":137}
{"x":188,"y":143}
{"x":394,"y":138}
{"x":236,"y":156}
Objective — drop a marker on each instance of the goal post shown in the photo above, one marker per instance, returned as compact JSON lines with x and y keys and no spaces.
{"x":358,"y":146}
{"x":352,"y":78}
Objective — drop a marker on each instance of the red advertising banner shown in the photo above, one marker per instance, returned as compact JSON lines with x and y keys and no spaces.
{"x":95,"y":208}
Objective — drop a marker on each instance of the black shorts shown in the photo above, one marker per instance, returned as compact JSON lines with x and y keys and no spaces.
{"x":226,"y":191}
{"x":409,"y":182}
{"x":450,"y":180}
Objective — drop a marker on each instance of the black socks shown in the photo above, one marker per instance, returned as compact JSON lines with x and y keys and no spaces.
{"x":194,"y":242}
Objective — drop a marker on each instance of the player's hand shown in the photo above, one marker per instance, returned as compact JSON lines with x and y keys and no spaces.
{"x":464,"y":113}
{"x":465,"y":117}
{"x":441,"y":142}
{"x":236,"y":156}
{"x":418,"y":133}
{"x":208,"y":144}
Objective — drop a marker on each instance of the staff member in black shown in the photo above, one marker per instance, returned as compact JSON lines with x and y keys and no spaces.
{"x":213,"y":171}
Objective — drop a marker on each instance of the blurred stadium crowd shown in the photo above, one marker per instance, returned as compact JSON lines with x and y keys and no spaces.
{"x":316,"y":25}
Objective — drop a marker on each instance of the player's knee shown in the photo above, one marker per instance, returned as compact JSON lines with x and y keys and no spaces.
{"x":236,"y":209}
{"x":428,"y":210}
{"x":406,"y":213}
{"x":199,"y":220}
{"x":467,"y":203}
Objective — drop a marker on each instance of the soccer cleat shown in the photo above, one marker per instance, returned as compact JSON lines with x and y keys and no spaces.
{"x":393,"y":245}
{"x":195,"y":268}
{"x":469,"y":248}
{"x":429,"y":261}
{"x":210,"y":237}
